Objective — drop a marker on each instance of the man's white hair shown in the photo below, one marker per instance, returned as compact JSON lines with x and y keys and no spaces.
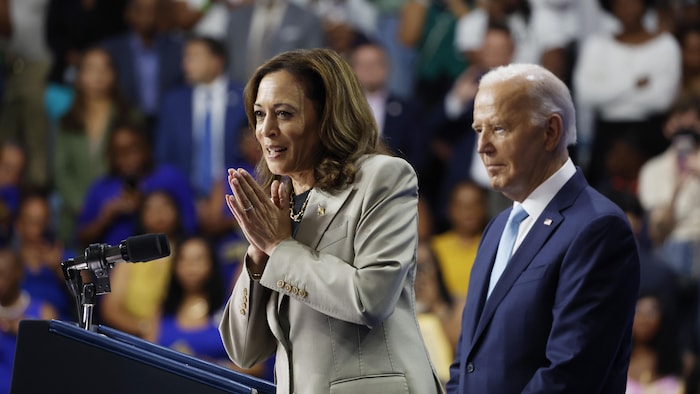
{"x":547,"y":93}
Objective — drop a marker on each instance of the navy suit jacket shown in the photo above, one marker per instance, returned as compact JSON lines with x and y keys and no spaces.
{"x":403,"y":130}
{"x":170,"y":66}
{"x":175,"y":139}
{"x":560,"y":318}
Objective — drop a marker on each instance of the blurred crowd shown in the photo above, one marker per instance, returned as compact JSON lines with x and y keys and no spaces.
{"x":120,"y":117}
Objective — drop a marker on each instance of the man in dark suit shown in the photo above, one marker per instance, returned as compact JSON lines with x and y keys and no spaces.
{"x":146,"y":61}
{"x":398,"y":118}
{"x":258,"y":30}
{"x":552,"y":293}
{"x":200,"y":124}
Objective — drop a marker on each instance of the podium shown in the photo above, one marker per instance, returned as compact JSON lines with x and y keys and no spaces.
{"x":59,"y":357}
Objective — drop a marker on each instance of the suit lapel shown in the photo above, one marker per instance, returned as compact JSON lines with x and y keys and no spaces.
{"x":479,"y":278}
{"x":320,"y":212}
{"x":544,"y":226}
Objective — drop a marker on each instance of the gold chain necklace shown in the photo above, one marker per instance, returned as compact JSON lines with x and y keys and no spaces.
{"x":297,"y":216}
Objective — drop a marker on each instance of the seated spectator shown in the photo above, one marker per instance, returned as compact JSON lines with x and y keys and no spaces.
{"x":438,"y":316}
{"x":109,"y":214}
{"x":455,"y":249}
{"x":138,"y":290}
{"x":41,"y":254}
{"x":189,"y":321}
{"x":146,"y":60}
{"x":656,"y":362}
{"x":15,"y":305}
{"x":669,"y":190}
{"x":629,"y":80}
{"x":81,"y":140}
{"x":12,"y":164}
{"x":539,"y":36}
{"x":689,"y":38}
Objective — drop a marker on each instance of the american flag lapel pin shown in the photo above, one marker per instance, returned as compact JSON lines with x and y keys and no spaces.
{"x":547,"y":222}
{"x":321,"y":210}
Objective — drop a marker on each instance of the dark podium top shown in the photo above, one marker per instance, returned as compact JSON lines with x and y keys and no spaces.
{"x":60,"y":357}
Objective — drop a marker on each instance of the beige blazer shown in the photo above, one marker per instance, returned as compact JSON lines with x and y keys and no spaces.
{"x":347,"y":279}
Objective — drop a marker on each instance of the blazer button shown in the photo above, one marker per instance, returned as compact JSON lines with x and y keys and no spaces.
{"x":288,"y":288}
{"x":242,"y":311}
{"x":470,"y":367}
{"x":295,"y":290}
{"x":302,"y":293}
{"x":280,"y":283}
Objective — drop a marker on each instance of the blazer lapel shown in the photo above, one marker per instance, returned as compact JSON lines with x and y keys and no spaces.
{"x":319,"y":214}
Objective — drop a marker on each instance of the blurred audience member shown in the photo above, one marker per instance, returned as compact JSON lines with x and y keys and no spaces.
{"x":109,"y":214}
{"x":138,"y":290}
{"x":199,"y":126}
{"x":460,"y":158}
{"x":73,"y":26}
{"x":41,"y":253}
{"x":429,"y":27}
{"x":204,"y":17}
{"x":80,"y":151}
{"x":538,"y":35}
{"x":669,"y":190}
{"x":401,"y":57}
{"x":436,"y":312}
{"x":189,"y":321}
{"x":397,"y":118}
{"x":27,"y":61}
{"x":455,"y":249}
{"x":12,"y":164}
{"x":146,"y":59}
{"x":345,"y":23}
{"x":15,"y":305}
{"x":656,"y":363}
{"x":261,"y":29}
{"x":629,"y":80}
{"x":689,"y":38}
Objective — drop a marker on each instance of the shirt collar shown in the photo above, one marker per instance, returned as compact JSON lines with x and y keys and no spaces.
{"x":538,"y":200}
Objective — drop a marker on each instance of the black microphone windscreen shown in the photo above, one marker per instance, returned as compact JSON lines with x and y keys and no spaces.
{"x":147,"y":247}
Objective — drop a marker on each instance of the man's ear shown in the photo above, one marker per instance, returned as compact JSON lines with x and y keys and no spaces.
{"x":554,"y":132}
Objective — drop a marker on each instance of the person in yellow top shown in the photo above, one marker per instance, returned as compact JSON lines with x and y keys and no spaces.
{"x":455,"y":249}
{"x":138,"y":290}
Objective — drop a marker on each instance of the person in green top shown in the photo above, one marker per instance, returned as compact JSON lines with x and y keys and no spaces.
{"x":80,"y":146}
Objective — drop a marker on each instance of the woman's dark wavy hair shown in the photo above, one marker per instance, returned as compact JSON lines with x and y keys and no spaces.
{"x":666,"y":342}
{"x":74,"y":119}
{"x":347,"y":128}
{"x":213,"y":285}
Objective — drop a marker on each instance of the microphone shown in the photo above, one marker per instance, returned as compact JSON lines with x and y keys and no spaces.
{"x":136,"y":249}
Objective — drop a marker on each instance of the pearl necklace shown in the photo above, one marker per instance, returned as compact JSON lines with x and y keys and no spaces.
{"x":297,"y":216}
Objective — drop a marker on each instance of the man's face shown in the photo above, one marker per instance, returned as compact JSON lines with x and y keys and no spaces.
{"x":199,"y":64}
{"x":511,"y":147}
{"x":371,"y":67}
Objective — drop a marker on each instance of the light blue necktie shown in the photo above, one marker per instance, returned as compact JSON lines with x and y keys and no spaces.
{"x":204,"y":170}
{"x":505,"y":246}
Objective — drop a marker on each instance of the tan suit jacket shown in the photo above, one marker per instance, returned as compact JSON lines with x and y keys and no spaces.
{"x":348,"y":278}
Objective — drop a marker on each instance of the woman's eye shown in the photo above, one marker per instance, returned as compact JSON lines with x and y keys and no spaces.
{"x":258,"y":115}
{"x":283,"y":114}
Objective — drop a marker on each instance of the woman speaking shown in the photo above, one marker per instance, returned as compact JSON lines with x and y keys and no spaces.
{"x":332,"y":225}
